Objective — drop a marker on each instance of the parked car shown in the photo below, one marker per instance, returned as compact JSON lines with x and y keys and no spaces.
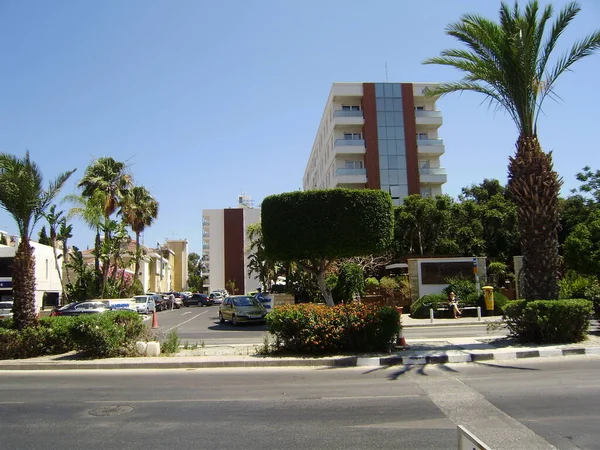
{"x":81,"y":308}
{"x":198,"y":299}
{"x":217,"y":297}
{"x":186,"y":294}
{"x":146,"y":304}
{"x":6,"y":310}
{"x":241,"y":308}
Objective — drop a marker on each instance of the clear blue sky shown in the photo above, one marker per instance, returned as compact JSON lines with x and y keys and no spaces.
{"x":204,"y":99}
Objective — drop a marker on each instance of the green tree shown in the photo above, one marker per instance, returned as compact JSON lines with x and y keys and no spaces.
{"x":508,"y":62}
{"x":315,"y":228}
{"x":65,"y":233}
{"x":590,"y":183}
{"x":195,"y":281}
{"x":43,"y":236}
{"x":107,"y":177}
{"x":258,"y":261}
{"x":55,"y":219}
{"x":350,"y":282}
{"x":582,"y":246}
{"x":139,"y":210}
{"x":24,"y":198}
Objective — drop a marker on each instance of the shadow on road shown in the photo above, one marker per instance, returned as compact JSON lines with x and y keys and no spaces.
{"x":241,"y":326}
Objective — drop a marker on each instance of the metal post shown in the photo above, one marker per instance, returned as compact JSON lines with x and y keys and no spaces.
{"x":431,"y":314}
{"x":479,"y":313}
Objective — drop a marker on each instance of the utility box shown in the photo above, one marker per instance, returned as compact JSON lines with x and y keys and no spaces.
{"x":488,"y":296}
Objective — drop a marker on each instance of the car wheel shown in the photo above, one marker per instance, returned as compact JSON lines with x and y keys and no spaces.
{"x":221,"y":320}
{"x":200,"y":304}
{"x":234,"y":320}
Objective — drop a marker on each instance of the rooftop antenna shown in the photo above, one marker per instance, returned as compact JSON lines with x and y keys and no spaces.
{"x":386,"y":74}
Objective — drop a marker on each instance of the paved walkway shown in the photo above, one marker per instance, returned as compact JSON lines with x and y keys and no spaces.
{"x":418,"y":351}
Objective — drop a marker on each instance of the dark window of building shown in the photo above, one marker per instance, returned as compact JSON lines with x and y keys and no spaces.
{"x":439,"y":272}
{"x":6,"y":267}
{"x":50,"y":299}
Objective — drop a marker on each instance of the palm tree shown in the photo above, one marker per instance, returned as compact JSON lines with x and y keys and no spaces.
{"x":139,"y":210}
{"x":106,"y":176}
{"x":55,"y":219}
{"x":24,"y":198}
{"x":91,"y":211}
{"x":65,"y":233}
{"x":508,"y":62}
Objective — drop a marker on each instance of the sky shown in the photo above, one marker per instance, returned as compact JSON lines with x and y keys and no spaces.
{"x":205,"y":100}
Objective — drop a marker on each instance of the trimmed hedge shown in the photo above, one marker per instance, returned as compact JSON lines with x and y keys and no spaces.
{"x":100,"y":335}
{"x":309,"y":328}
{"x":548,"y":321}
{"x":330,"y":223}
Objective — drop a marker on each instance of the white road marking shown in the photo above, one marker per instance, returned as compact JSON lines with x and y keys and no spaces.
{"x":187,"y":312}
{"x":11,"y":403}
{"x":189,"y":320}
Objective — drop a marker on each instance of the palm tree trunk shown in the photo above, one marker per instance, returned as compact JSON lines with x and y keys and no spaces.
{"x":65,"y":261}
{"x":97,"y":245}
{"x":534,"y":187}
{"x":137,"y":256}
{"x":23,"y":279}
{"x":60,"y":277}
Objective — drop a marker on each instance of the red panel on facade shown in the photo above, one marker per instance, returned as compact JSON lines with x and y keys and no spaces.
{"x":369,"y":107}
{"x":410,"y":139}
{"x":233,"y":243}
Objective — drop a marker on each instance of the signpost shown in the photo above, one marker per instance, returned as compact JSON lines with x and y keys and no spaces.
{"x":476,"y":275}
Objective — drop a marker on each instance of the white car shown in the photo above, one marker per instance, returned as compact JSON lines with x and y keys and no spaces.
{"x":217,"y":297}
{"x":145,"y":304}
{"x":6,"y":309}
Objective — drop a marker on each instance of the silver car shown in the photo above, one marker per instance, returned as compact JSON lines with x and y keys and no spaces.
{"x":145,"y":304}
{"x":6,"y":309}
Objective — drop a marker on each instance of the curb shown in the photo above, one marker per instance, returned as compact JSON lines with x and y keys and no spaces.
{"x":452,"y":356}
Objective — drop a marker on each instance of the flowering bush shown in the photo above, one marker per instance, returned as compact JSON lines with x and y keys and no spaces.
{"x":310,"y":328}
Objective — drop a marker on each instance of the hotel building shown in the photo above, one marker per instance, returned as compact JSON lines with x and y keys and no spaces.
{"x":378,"y":136}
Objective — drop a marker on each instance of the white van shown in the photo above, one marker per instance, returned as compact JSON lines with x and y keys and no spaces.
{"x":145,"y":304}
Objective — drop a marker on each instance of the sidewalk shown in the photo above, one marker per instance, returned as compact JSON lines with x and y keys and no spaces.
{"x":419,"y":351}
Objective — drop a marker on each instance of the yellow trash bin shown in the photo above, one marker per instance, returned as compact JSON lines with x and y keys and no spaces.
{"x":488,"y":296}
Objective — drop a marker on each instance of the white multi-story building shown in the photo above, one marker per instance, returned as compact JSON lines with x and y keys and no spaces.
{"x":225,"y":246}
{"x":378,"y":136}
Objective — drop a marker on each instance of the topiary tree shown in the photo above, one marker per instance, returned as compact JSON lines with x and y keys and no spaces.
{"x":314,"y":228}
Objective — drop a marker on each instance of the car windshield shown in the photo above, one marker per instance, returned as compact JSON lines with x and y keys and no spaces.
{"x":141,"y":299}
{"x":245,"y":301}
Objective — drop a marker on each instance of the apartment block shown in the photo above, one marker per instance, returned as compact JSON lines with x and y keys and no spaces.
{"x":225,"y":246}
{"x":378,"y":136}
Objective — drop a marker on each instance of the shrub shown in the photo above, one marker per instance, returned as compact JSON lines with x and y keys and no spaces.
{"x":388,"y":284}
{"x":500,"y":301}
{"x":109,"y":334}
{"x":463,"y":288}
{"x":351,"y":281}
{"x":548,"y":321}
{"x":371,"y":284}
{"x":420,"y":308}
{"x":171,"y":343}
{"x":309,"y":328}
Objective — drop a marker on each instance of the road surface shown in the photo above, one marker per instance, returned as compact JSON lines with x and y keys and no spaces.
{"x":523,"y":404}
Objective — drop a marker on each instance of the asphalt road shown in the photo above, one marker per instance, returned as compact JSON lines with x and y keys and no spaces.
{"x":201,"y":324}
{"x":524,"y":404}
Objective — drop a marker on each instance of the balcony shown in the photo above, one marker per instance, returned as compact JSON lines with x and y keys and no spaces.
{"x":428,"y":118}
{"x":431,"y":147}
{"x":351,"y":176}
{"x":433,"y":175}
{"x":349,"y":146}
{"x":348,"y":118}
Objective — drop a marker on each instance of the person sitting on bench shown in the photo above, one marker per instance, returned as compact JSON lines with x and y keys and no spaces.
{"x":453,"y":305}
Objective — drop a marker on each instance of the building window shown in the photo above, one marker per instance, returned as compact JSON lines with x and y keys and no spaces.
{"x":439,"y":272}
{"x":425,"y":192}
{"x":352,"y":136}
{"x":424,"y":164}
{"x":350,"y":108}
{"x":422,"y":136}
{"x":419,"y":108}
{"x":354,"y":165}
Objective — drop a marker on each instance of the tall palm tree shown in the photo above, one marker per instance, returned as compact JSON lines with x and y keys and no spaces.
{"x":91,"y":211}
{"x":24,"y":198}
{"x":109,"y":177}
{"x":139,"y":210}
{"x":509,"y":63}
{"x":55,"y":219}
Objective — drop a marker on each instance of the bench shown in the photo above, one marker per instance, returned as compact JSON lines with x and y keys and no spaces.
{"x":445,"y":308}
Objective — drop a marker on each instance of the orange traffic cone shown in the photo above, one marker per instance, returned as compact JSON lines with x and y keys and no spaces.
{"x":154,"y":320}
{"x":400,"y":341}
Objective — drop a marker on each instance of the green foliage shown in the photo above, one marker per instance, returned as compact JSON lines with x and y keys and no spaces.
{"x":350,"y":281}
{"x":548,"y":321}
{"x":326,"y":224}
{"x":388,"y":284}
{"x":195,"y":281}
{"x":463,"y":288}
{"x":574,"y":285}
{"x":582,"y":246}
{"x":310,"y":328}
{"x":590,"y":183}
{"x":371,"y":284}
{"x":497,"y":271}
{"x":500,"y":301}
{"x":43,"y":236}
{"x":84,"y":286}
{"x":420,"y":309}
{"x":171,"y":343}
